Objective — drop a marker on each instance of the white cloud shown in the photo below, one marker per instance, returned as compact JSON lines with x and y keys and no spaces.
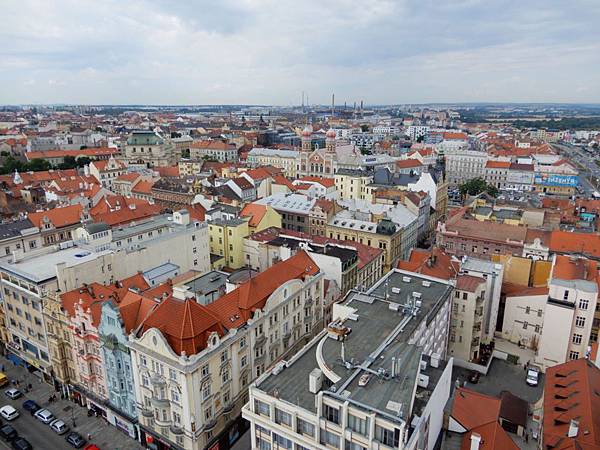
{"x":250,"y":51}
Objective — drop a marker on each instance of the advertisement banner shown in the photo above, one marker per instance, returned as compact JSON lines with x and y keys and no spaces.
{"x":557,"y":180}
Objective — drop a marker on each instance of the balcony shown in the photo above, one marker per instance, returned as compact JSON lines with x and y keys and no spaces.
{"x":176,"y":429}
{"x":260,"y":340}
{"x":210,"y":425}
{"x":147,"y":412}
{"x":479,"y":311}
{"x":159,"y":402}
{"x":475,"y":342}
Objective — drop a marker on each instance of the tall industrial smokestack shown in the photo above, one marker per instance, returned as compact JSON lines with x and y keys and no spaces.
{"x":332,"y":105}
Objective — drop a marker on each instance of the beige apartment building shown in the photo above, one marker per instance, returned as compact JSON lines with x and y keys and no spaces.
{"x":384,"y":235}
{"x":193,"y":362}
{"x":466,"y":323}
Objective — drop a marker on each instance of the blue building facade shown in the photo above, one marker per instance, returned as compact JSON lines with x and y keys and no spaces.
{"x":119,"y":378}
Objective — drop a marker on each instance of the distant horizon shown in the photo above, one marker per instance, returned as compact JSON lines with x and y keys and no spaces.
{"x":323,"y":105}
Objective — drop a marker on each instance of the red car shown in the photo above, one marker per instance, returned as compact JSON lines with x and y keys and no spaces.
{"x":91,"y":447}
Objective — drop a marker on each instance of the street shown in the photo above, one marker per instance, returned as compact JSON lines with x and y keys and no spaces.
{"x":584,"y":162}
{"x":39,"y":435}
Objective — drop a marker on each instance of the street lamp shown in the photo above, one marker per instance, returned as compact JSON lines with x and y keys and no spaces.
{"x":72,"y":416}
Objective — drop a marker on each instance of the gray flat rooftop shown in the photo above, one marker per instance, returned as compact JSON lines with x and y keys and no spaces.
{"x":207,"y":283}
{"x":376,"y":323}
{"x":42,"y":266}
{"x":142,"y":227}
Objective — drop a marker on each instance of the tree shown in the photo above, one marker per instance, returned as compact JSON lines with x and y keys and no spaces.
{"x":364,"y":128}
{"x":476,"y":186}
{"x":37,"y":165}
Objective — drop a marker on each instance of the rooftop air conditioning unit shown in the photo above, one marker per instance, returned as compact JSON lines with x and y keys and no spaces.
{"x":426,"y":283}
{"x":395,"y":290}
{"x":315,"y":381}
{"x":406,"y":279}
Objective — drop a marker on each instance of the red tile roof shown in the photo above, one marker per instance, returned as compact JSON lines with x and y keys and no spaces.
{"x":572,"y":391}
{"x":472,"y":409}
{"x":408,"y":163}
{"x":574,"y":268}
{"x":143,"y":187}
{"x":572,"y":242}
{"x":167,"y":172}
{"x":185,"y":324}
{"x":493,"y":437}
{"x":497,"y":165}
{"x":90,"y":152}
{"x":59,"y":217}
{"x":436,"y":263}
{"x":326,"y":182}
{"x":255,"y":212}
{"x":468,"y":283}
{"x":92,"y":296}
{"x":236,"y":307}
{"x":213,"y":144}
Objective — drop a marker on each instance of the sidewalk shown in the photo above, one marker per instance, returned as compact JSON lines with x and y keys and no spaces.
{"x":103,"y":434}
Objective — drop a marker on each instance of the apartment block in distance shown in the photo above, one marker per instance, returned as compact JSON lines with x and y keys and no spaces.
{"x":376,"y":378}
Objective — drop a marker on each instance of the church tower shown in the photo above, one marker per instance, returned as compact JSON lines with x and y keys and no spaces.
{"x":306,"y":139}
{"x":330,"y":141}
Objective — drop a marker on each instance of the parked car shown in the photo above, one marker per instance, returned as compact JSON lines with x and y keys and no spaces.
{"x":91,"y":447}
{"x":76,"y":440}
{"x":8,"y":433}
{"x":21,"y":444}
{"x":44,"y":415}
{"x":9,"y":412}
{"x":533,"y":376}
{"x":59,"y":427}
{"x":13,"y":393}
{"x":31,"y":406}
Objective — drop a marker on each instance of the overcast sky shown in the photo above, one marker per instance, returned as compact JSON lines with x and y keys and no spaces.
{"x":268,"y":52}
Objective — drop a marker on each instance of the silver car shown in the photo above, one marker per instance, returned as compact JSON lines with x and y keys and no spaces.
{"x":44,"y":415}
{"x":59,"y":427}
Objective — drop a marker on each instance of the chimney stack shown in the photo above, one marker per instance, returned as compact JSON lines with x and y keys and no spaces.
{"x":475,"y":441}
{"x":573,"y":428}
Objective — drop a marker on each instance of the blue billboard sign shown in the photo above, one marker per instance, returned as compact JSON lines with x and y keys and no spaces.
{"x":557,"y":180}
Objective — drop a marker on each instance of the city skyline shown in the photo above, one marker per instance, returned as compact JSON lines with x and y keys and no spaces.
{"x":153,"y":52}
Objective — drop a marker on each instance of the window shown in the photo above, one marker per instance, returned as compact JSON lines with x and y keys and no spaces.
{"x":206,"y":391}
{"x":358,"y":424}
{"x":391,"y":438}
{"x":242,"y":342}
{"x":525,"y":325}
{"x":566,"y":295}
{"x":225,"y":376}
{"x":584,"y":304}
{"x":580,"y":321}
{"x":243,"y":361}
{"x":577,"y":338}
{"x":353,"y":446}
{"x":175,"y":395}
{"x":262,"y":408}
{"x":205,"y":371}
{"x":223,"y":356}
{"x":527,"y":309}
{"x":328,"y":438}
{"x":143,"y":361}
{"x":173,"y":374}
{"x":331,"y":414}
{"x":305,"y":427}
{"x":281,"y":442}
{"x":573,"y":355}
{"x":465,"y":295}
{"x":281,"y":417}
